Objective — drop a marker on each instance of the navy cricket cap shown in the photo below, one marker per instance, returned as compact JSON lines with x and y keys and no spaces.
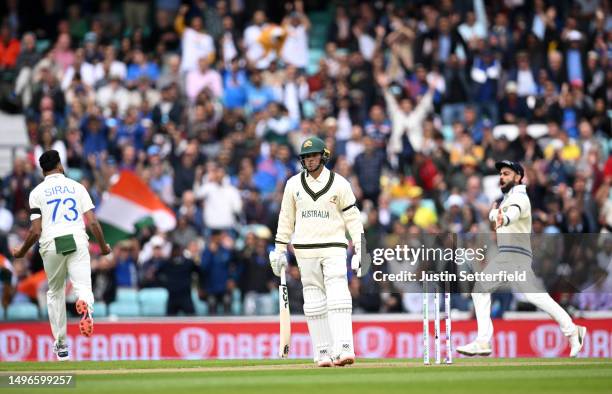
{"x":513,"y":165}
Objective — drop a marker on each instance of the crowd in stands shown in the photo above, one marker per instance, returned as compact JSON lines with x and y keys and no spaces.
{"x":208,"y":102}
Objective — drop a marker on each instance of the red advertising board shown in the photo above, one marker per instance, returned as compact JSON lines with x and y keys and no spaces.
{"x":255,"y":340}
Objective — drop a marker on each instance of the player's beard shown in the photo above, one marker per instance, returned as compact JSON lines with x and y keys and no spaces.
{"x":507,"y":187}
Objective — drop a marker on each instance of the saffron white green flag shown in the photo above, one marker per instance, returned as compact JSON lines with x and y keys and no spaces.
{"x":129,"y":203}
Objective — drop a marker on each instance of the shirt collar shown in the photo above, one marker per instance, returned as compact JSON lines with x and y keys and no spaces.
{"x":322,"y":179}
{"x":58,"y":175}
{"x":518,"y":189}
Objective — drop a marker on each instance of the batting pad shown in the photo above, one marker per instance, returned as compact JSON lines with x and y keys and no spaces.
{"x":340,"y":306}
{"x":315,"y":309}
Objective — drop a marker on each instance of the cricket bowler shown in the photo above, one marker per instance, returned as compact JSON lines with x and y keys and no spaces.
{"x":57,"y":208}
{"x":318,"y":209}
{"x":513,"y":222}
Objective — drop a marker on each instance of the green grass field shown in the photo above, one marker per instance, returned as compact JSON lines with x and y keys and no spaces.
{"x":473,"y":376}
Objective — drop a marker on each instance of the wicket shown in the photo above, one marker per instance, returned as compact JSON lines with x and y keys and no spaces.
{"x":447,"y":324}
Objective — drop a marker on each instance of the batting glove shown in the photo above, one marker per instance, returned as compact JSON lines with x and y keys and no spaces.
{"x":278,"y":260}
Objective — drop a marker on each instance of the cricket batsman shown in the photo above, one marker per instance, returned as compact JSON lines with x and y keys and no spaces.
{"x":318,"y":209}
{"x":513,"y":227}
{"x":57,"y":208}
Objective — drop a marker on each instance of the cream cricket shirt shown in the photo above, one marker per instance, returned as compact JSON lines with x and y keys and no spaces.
{"x":61,"y":202}
{"x":318,"y":213}
{"x":515,"y":233}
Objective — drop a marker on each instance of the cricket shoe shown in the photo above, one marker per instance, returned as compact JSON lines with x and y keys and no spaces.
{"x":61,"y":351}
{"x":86,"y":323}
{"x":344,"y":359}
{"x":346,"y":356}
{"x":324,"y":360}
{"x":577,"y":340}
{"x":475,"y":349}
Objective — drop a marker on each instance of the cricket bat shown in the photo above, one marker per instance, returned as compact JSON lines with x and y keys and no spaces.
{"x":285,"y":322}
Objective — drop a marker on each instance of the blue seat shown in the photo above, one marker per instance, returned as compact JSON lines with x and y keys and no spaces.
{"x":100,"y":309}
{"x":153,"y":301}
{"x":236,"y":302}
{"x":22,"y":311}
{"x":124,"y":309}
{"x":126,"y":295}
{"x":201,"y":308}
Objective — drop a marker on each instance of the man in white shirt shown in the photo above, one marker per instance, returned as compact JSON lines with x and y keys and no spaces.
{"x":57,"y":208}
{"x":295,"y":49}
{"x":113,"y":92}
{"x":513,"y":227}
{"x":85,"y":69}
{"x":317,"y":210}
{"x":255,"y":51}
{"x":222,"y":202}
{"x":195,"y":44}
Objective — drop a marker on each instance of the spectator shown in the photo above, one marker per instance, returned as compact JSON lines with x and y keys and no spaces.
{"x":258,"y":277}
{"x":18,"y":185}
{"x":234,"y":85}
{"x":63,"y":55}
{"x":85,"y":71}
{"x":368,"y":168}
{"x":48,"y":142}
{"x":130,"y":131}
{"x":163,"y":31}
{"x":295,"y":48}
{"x":94,"y":135}
{"x":140,"y":67}
{"x":222,"y":203}
{"x":485,"y":74}
{"x":233,"y":141}
{"x":185,"y":232}
{"x":229,"y":40}
{"x":136,"y":13}
{"x":457,"y":91}
{"x":407,"y":120}
{"x":176,"y":276}
{"x":113,"y":94}
{"x":9,"y":49}
{"x":170,"y":108}
{"x":215,"y":283}
{"x":27,"y":60}
{"x":524,"y":77}
{"x":203,"y":78}
{"x":195,"y":42}
{"x":149,"y":270}
{"x":475,"y":26}
{"x":124,"y":264}
{"x":258,"y":95}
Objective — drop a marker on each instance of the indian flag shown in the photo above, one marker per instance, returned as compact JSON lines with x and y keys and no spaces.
{"x":128,"y":204}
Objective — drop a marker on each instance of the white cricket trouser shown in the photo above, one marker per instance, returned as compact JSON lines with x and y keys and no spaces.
{"x":327,"y":304}
{"x":482,"y":305}
{"x":77,"y":267}
{"x":532,"y":289}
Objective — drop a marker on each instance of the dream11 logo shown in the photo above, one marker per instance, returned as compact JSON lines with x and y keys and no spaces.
{"x":373,"y":342}
{"x":193,"y":343}
{"x":547,"y":341}
{"x":15,"y":345}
